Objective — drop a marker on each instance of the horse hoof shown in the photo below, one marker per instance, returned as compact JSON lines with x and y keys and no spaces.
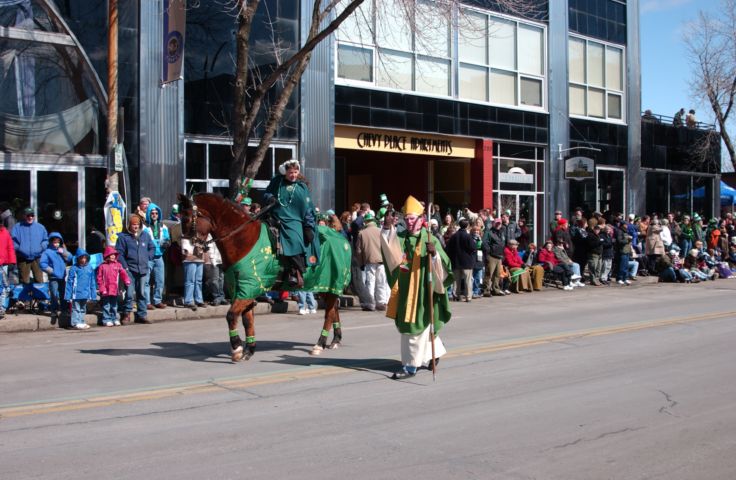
{"x":316,"y":350}
{"x":247,"y":356}
{"x":334,"y":346}
{"x":237,"y":354}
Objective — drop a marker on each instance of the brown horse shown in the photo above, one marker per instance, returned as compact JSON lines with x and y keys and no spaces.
{"x":252,"y":268}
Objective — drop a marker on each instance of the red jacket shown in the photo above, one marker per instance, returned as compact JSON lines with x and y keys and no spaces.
{"x":108,"y":276}
{"x":547,"y":256}
{"x":7,"y":251}
{"x":511,"y":258}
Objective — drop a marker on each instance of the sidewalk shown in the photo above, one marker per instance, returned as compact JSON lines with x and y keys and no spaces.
{"x":32,"y":322}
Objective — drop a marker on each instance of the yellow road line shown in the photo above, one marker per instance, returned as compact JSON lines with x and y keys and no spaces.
{"x":315,"y":372}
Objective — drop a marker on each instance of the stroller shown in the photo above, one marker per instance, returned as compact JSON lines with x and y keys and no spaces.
{"x":29,"y":298}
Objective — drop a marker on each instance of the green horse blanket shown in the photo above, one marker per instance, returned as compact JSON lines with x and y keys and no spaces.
{"x":255,"y":274}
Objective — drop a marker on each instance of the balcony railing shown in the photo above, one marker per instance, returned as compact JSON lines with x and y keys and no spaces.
{"x":665,"y":120}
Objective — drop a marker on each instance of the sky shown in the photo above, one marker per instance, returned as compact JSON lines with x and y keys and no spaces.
{"x":664,"y":67}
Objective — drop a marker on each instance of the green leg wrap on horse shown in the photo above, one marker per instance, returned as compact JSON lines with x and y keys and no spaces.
{"x":336,"y":325}
{"x":250,"y":339}
{"x":233,"y":333}
{"x":325,"y":333}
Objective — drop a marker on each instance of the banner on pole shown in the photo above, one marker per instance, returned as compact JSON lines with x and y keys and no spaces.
{"x":173,"y":41}
{"x":114,"y":217}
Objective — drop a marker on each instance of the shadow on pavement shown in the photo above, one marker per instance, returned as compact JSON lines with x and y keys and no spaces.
{"x":217,"y":352}
{"x":383,"y":365}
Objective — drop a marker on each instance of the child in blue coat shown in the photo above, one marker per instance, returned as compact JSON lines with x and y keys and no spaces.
{"x":54,"y":261}
{"x":80,"y":288}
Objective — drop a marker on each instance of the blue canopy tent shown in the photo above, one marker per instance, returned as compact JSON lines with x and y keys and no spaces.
{"x":728,"y":194}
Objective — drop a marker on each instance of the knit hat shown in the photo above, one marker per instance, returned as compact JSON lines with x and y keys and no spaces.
{"x":109,"y":251}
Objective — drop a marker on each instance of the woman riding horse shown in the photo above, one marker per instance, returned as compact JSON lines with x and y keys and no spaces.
{"x":252,"y":268}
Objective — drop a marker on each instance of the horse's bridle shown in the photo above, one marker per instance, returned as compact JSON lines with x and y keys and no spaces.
{"x":253,"y":218}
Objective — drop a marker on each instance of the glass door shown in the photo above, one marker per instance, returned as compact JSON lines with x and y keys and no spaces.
{"x":521,"y":208}
{"x":611,"y":189}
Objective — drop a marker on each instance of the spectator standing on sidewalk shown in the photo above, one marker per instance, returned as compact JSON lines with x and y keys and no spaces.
{"x":214,"y":274}
{"x":7,"y":259}
{"x":461,"y":249}
{"x":370,"y":261}
{"x":306,"y":302}
{"x":54,"y":261}
{"x":135,"y":252}
{"x":80,"y":288}
{"x":193,"y":249}
{"x":493,"y":246}
{"x":159,"y":234}
{"x":109,"y":275}
{"x":30,"y":240}
{"x":142,"y":209}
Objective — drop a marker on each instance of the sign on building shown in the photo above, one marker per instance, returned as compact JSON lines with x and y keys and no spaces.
{"x":580,"y":168}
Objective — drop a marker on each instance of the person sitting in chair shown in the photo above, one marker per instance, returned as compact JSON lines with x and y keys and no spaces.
{"x":294,"y":211}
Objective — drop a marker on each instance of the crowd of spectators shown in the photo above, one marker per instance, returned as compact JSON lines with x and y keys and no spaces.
{"x":492,"y":255}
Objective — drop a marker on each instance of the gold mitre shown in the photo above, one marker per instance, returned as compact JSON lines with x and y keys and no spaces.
{"x":412,"y":207}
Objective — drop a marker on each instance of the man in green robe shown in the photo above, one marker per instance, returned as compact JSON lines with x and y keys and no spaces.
{"x":293,"y":209}
{"x":407,"y":256}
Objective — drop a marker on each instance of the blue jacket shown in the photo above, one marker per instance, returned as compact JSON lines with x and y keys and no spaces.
{"x":162,"y":242}
{"x":54,"y":263}
{"x":81,"y":283}
{"x":29,"y":239}
{"x":135,"y":253}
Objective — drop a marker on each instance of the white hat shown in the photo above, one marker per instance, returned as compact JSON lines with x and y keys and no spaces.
{"x":632,"y":216}
{"x":293,"y":162}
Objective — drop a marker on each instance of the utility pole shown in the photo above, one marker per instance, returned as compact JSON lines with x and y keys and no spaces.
{"x":112,"y":95}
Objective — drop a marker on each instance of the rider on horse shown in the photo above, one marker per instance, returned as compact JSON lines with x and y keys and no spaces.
{"x":293,"y":209}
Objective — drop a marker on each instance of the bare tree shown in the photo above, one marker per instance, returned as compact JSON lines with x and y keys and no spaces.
{"x":710,"y":43}
{"x":263,"y":95}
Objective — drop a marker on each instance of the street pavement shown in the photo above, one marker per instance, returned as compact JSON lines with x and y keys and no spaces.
{"x":599,"y":383}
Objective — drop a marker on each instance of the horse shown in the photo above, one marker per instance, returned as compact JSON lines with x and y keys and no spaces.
{"x":252,"y":268}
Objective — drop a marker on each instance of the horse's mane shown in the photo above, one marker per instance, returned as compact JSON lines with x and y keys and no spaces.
{"x":221,"y":207}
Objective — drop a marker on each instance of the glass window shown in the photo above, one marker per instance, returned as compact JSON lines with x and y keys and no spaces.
{"x":614,"y":68}
{"x":596,"y":108}
{"x":219,"y":161}
{"x":531,"y":57}
{"x":595,"y":64}
{"x":577,"y":100}
{"x":433,"y":76}
{"x":614,"y":106}
{"x":196,"y":160}
{"x":576,"y":60}
{"x":474,"y":82}
{"x":393,"y":30}
{"x":58,"y":205}
{"x":394,"y":70}
{"x":503,"y":87}
{"x":266,"y":170}
{"x":354,"y":63}
{"x":472,"y":37}
{"x":502,"y":38}
{"x":596,"y":79}
{"x":433,"y":23}
{"x":357,"y":27}
{"x":531,"y":92}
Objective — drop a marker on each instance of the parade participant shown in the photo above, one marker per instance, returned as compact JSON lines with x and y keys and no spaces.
{"x":293,"y":209}
{"x":245,"y":204}
{"x":406,"y":256}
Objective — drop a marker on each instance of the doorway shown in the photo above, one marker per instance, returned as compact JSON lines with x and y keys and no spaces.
{"x":521,"y":206}
{"x":611,"y":189}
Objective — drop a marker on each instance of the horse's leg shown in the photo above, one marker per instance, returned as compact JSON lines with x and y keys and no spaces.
{"x":249,"y":322}
{"x":236,"y":345}
{"x":332,"y":320}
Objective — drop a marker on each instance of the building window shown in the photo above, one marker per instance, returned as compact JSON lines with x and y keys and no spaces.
{"x":596,"y":86}
{"x":499,"y":60}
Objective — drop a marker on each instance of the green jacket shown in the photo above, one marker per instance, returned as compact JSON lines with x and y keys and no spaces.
{"x":295,"y":212}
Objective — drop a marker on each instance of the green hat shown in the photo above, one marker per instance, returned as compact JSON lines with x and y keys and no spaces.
{"x":712,"y":221}
{"x":368,"y":217}
{"x":696,"y":217}
{"x":246,"y":201}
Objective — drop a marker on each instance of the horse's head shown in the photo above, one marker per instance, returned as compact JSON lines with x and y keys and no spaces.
{"x":194,"y":220}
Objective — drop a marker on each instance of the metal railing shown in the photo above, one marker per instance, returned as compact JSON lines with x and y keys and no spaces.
{"x":666,"y":120}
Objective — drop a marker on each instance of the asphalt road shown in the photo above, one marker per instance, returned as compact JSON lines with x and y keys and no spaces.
{"x":599,"y":383}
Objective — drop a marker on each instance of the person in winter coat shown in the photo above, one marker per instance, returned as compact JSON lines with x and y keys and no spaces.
{"x":7,"y":259}
{"x":368,"y":255}
{"x":462,"y":252}
{"x":520,"y":279}
{"x":30,"y":240}
{"x":595,"y":251}
{"x":214,"y":275}
{"x":80,"y":288}
{"x":550,"y":262}
{"x":54,"y":261}
{"x":193,"y":249}
{"x":607,"y":253}
{"x":135,"y":252}
{"x":109,"y":274}
{"x":159,"y":233}
{"x":654,"y":244}
{"x":493,"y":246}
{"x":479,"y":265}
